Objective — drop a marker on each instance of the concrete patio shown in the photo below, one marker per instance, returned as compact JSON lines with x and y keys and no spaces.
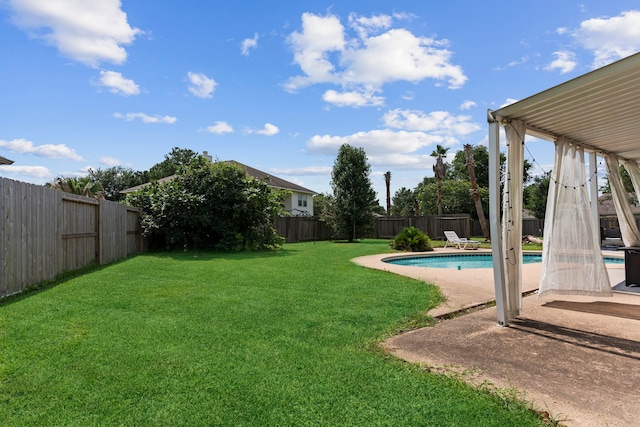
{"x":576,"y":357}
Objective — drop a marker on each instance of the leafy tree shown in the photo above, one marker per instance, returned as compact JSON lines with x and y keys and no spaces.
{"x":379,"y":209}
{"x":172,"y":162}
{"x":351,"y":213}
{"x":404,"y":203}
{"x":440,"y":171}
{"x":455,"y":198}
{"x":82,"y":186}
{"x":475,"y":191}
{"x":320,"y":203}
{"x":458,"y":168}
{"x":116,"y":179}
{"x":210,"y":205}
{"x":535,"y":195}
{"x":626,"y":181}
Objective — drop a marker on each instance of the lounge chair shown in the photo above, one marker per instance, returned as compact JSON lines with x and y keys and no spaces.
{"x":460,"y":242}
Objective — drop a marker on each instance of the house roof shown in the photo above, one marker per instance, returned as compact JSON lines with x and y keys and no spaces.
{"x":606,"y":207}
{"x":5,"y":161}
{"x":272,"y":180}
{"x":598,"y":110}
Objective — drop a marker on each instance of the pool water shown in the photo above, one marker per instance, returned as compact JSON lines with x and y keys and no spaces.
{"x":468,"y":261}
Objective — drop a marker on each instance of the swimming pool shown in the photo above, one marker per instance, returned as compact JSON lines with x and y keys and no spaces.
{"x":458,"y":261}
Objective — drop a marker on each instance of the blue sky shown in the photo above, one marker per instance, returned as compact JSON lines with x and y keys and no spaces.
{"x":281,"y":85}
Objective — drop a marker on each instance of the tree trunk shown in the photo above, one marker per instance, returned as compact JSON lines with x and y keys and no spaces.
{"x":387,"y":180}
{"x":471,"y":167}
{"x":439,"y":196}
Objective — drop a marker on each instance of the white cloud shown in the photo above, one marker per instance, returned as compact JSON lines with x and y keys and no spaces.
{"x":22,"y":146}
{"x":610,"y":38}
{"x":248,"y":44}
{"x":200,"y":85}
{"x":145,"y":118}
{"x":268,"y":130}
{"x":376,"y":143}
{"x":467,"y":105}
{"x":514,"y":63}
{"x":326,"y":54}
{"x":364,"y":26}
{"x":110,"y":161}
{"x":408,"y":96}
{"x":39,"y":172}
{"x":406,"y":57}
{"x":436,"y":122}
{"x":220,"y":127}
{"x":509,"y":101}
{"x":311,"y":48}
{"x":118,"y":84}
{"x":311,"y":170}
{"x":90,"y":32}
{"x":565,"y":62}
{"x":352,"y":99}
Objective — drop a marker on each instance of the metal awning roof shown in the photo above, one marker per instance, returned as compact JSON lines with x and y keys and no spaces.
{"x":599,"y":110}
{"x":5,"y":161}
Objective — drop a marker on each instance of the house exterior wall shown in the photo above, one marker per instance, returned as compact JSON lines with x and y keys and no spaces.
{"x":295,"y":204}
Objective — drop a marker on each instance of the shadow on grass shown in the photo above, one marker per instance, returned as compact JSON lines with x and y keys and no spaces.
{"x":61,"y":278}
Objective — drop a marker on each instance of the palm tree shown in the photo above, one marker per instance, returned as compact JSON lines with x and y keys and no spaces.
{"x":387,"y":180}
{"x":82,"y":186}
{"x":475,"y":193}
{"x":440,"y":171}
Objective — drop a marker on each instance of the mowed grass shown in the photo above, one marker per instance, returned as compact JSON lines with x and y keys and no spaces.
{"x":287,"y":338}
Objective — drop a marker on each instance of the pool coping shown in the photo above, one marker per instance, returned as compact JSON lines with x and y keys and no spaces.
{"x":468,"y":288}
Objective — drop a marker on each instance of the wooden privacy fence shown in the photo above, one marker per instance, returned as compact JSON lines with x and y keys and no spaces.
{"x":44,"y":232}
{"x":387,"y":227}
{"x":300,"y":229}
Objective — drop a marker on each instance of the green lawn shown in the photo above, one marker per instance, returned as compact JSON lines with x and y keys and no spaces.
{"x":260,"y":339}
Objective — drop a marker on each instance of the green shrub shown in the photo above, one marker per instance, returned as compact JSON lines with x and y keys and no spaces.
{"x":210,"y":206}
{"x":413,"y":240}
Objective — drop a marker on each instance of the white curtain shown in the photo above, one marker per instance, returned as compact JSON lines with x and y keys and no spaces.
{"x":628,"y":226}
{"x":634,"y":172}
{"x":572,"y":262}
{"x":512,"y":216}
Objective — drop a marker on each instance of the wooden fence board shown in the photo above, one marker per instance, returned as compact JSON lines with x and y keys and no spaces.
{"x":44,"y":232}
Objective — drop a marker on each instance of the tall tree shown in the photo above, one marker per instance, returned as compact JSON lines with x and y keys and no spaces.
{"x":475,"y":191}
{"x":320,"y":203}
{"x":455,"y":198}
{"x":458,"y":168}
{"x":626,"y":181}
{"x":82,"y":186}
{"x":116,"y":179}
{"x":535,"y":195}
{"x":387,"y":181}
{"x":440,"y":171}
{"x":351,"y":213}
{"x":172,"y":162}
{"x":404,"y":203}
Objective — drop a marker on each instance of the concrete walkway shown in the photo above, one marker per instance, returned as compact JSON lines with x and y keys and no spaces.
{"x":576,"y":357}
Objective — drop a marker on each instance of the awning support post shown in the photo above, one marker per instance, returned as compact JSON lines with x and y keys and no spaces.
{"x":495,"y":210}
{"x":593,"y":191}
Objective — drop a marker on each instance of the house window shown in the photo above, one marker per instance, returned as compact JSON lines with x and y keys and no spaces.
{"x":302,"y":200}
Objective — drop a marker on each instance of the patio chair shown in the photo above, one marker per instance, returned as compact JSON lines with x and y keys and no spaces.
{"x":460,"y":242}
